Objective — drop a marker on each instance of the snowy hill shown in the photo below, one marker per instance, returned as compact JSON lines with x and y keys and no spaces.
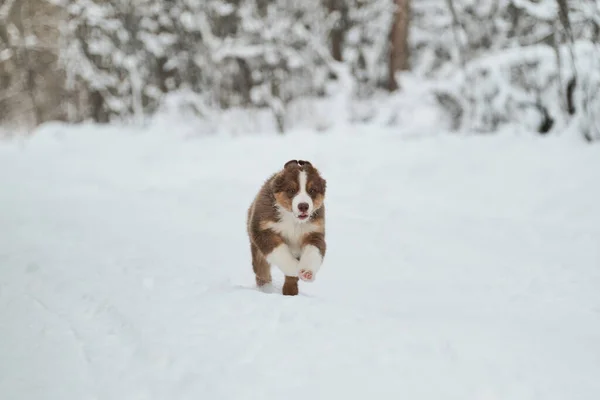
{"x":458,"y":268}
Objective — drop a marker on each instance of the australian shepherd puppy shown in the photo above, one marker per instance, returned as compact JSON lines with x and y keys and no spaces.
{"x":286,"y":225}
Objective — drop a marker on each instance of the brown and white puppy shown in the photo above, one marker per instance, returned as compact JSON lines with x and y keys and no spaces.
{"x":286,"y":225}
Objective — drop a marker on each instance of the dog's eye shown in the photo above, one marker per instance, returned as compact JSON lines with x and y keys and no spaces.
{"x":290,"y":192}
{"x":311,"y":191}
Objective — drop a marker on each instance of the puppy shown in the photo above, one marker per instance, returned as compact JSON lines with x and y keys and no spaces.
{"x":286,"y":225}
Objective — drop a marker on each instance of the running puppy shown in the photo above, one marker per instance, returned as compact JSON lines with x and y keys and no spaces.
{"x":286,"y":225}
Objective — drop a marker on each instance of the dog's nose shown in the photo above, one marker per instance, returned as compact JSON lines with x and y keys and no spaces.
{"x":303,"y":207}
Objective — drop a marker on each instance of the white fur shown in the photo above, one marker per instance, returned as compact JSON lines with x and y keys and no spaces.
{"x":302,"y":197}
{"x":282,"y":258}
{"x":310,"y":260}
{"x":292,"y":230}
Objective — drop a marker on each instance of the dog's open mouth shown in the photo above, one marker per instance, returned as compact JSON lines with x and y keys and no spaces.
{"x":303,"y":216}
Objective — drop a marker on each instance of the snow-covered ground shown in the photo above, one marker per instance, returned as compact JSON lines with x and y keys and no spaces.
{"x":457,"y":268}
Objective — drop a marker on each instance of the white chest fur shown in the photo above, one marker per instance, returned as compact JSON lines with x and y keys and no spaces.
{"x":292,"y":231}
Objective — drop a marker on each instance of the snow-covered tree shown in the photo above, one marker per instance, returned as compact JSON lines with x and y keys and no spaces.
{"x":529,"y":63}
{"x":31,"y":84}
{"x":116,"y":51}
{"x":231,"y":53}
{"x":519,"y":62}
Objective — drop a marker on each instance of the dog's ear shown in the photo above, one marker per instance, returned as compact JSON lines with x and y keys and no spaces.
{"x":290,"y":163}
{"x":302,"y":163}
{"x":320,"y":185}
{"x":277,"y":183}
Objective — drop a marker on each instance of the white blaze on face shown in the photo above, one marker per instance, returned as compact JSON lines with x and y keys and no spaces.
{"x":302,"y":196}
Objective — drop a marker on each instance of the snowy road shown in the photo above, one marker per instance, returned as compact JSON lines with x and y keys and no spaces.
{"x":456,"y":269}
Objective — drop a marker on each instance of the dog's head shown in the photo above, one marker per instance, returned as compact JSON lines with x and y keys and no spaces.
{"x":299,"y":189}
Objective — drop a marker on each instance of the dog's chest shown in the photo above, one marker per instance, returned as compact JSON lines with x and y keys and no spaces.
{"x":293,"y":233}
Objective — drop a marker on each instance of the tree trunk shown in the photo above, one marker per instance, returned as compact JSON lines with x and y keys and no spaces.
{"x":339,"y":30}
{"x":399,"y":49}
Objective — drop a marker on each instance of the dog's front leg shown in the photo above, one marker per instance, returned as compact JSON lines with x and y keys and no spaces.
{"x":283,"y":258}
{"x":311,"y":259}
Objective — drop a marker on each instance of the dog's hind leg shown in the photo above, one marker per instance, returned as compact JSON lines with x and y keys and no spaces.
{"x":262,"y":269}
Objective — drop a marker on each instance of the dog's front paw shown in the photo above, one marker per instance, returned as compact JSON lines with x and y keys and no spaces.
{"x":306,"y":275}
{"x":290,"y":287}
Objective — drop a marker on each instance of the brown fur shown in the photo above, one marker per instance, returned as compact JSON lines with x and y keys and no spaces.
{"x":317,"y":239}
{"x":280,"y":189}
{"x":290,"y":286}
{"x":261,"y":267}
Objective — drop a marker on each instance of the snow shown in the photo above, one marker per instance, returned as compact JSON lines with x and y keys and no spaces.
{"x":544,"y":10}
{"x":458,"y":267}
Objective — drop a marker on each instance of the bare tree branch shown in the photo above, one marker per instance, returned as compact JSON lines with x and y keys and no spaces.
{"x":5,"y":12}
{"x":456,"y":27}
